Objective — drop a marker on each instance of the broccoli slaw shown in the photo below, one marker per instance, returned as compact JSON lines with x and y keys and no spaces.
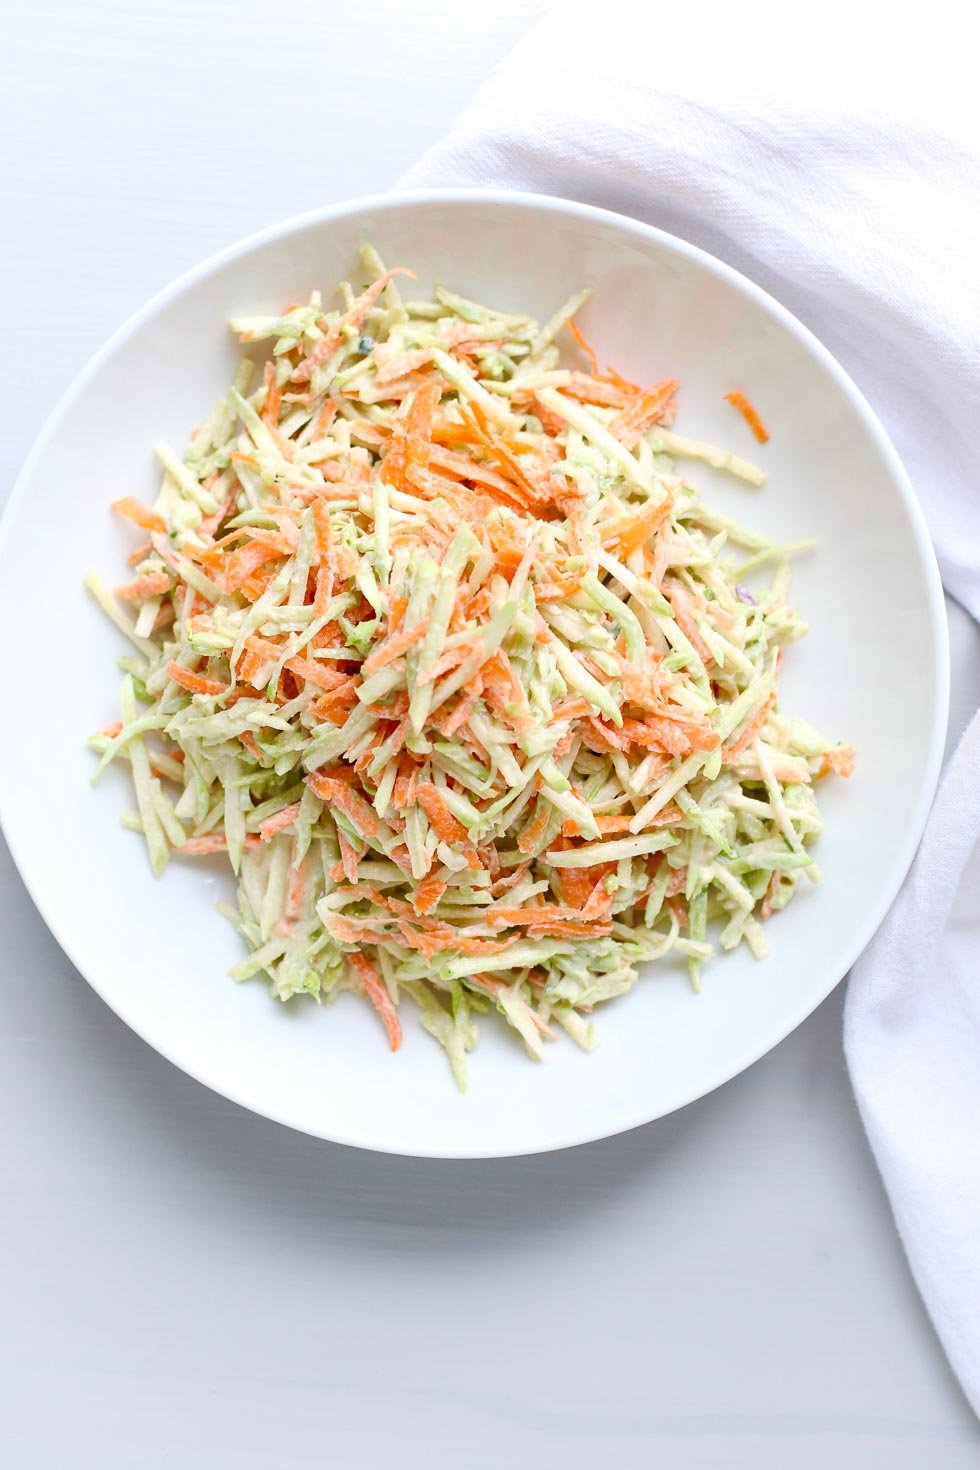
{"x":433,"y":639}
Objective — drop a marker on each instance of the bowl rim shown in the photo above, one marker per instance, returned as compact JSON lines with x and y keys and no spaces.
{"x":934,"y":606}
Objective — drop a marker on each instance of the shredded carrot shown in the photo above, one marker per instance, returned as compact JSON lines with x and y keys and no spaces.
{"x":427,"y":894}
{"x":348,"y":858}
{"x":750,"y":415}
{"x":273,"y":396}
{"x":377,"y":994}
{"x":838,"y":761}
{"x":318,"y":674}
{"x":195,"y":683}
{"x":595,"y":390}
{"x":342,"y":795}
{"x":351,"y":320}
{"x":464,"y":708}
{"x":295,"y":891}
{"x":631,"y":532}
{"x":279,"y":822}
{"x":734,"y":748}
{"x":323,"y":529}
{"x":586,"y":348}
{"x":441,"y":820}
{"x":397,"y":644}
{"x":532,"y":836}
{"x":213,"y":842}
{"x":681,"y":603}
{"x":150,"y":585}
{"x":642,"y":411}
{"x":409,"y":446}
{"x":526,"y":490}
{"x":140,"y":515}
{"x":241,"y":565}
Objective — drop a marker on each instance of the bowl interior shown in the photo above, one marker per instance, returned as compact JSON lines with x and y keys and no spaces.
{"x":156,"y":951}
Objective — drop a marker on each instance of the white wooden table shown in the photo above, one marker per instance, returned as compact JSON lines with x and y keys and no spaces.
{"x":188,"y":1287}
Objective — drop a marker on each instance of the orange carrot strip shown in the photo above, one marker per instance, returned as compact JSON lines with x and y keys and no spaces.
{"x":603,"y":738}
{"x":211,"y":523}
{"x":213,"y":842}
{"x":533,"y":834}
{"x":610,"y":375}
{"x":467,"y":703}
{"x":529,"y":493}
{"x":273,"y":396}
{"x":397,"y":608}
{"x":749,"y":414}
{"x":583,"y":888}
{"x":441,"y":819}
{"x":323,"y":529}
{"x":324,"y":590}
{"x":403,"y":791}
{"x":734,"y":748}
{"x":680,"y":602}
{"x":427,"y":894}
{"x":258,"y":653}
{"x":656,"y":734}
{"x":393,"y":365}
{"x":409,"y":446}
{"x":340,"y":793}
{"x":348,"y":858}
{"x":572,"y":709}
{"x":377,"y":994}
{"x":278,"y":822}
{"x":644,"y":410}
{"x":150,"y":585}
{"x":765,"y":909}
{"x":839,"y":761}
{"x":352,"y":318}
{"x":586,"y":348}
{"x":316,"y":673}
{"x":576,"y":887}
{"x":336,"y":705}
{"x":325,"y":420}
{"x":242,"y":565}
{"x":294,"y":892}
{"x":195,"y":683}
{"x":595,"y":390}
{"x":393,"y":647}
{"x":139,"y":514}
{"x":616,"y":822}
{"x":543,"y":913}
{"x":444,"y":936}
{"x":570,"y":929}
{"x":628,"y":533}
{"x":462,"y":467}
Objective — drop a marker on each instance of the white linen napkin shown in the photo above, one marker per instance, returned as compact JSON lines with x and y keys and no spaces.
{"x":837,"y":163}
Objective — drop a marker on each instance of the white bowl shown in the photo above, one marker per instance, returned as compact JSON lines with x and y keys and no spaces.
{"x":154,"y":949}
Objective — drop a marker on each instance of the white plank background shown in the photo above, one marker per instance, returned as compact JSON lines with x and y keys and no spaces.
{"x":189,"y":1286}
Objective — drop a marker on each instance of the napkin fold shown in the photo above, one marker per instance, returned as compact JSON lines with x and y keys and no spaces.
{"x":836,"y":162}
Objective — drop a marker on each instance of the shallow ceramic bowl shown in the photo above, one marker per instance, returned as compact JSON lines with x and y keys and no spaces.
{"x":155,"y":950}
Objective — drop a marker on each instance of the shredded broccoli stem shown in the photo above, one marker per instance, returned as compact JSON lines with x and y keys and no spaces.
{"x":466,"y":682}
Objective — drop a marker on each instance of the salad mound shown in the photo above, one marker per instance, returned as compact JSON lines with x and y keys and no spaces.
{"x":433,"y":639}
